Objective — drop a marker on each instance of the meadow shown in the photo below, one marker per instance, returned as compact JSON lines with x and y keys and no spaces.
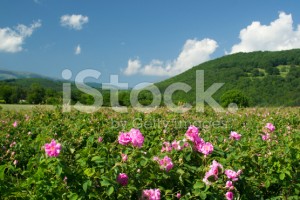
{"x":253,"y":153}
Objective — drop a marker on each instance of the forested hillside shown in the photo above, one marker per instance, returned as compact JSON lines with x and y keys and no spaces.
{"x":265,"y":78}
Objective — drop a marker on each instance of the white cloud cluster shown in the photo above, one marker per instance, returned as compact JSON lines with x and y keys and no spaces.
{"x":193,"y":53}
{"x":77,"y":50}
{"x":12,"y":39}
{"x":278,"y":35}
{"x":74,"y":21}
{"x":133,"y":67}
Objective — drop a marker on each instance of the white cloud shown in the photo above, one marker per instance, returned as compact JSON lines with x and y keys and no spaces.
{"x":73,"y":21}
{"x":12,"y":39}
{"x":133,"y":67}
{"x":278,"y":35}
{"x":193,"y":53}
{"x":77,"y":50}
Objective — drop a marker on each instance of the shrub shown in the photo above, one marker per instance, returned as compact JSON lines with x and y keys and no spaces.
{"x":234,"y":96}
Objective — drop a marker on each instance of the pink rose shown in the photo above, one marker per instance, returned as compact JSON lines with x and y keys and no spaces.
{"x":235,"y":135}
{"x":229,"y":195}
{"x":124,"y":138}
{"x":270,"y":127}
{"x":122,"y":179}
{"x":52,"y":149}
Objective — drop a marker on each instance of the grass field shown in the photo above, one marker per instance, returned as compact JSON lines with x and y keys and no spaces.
{"x":23,"y":107}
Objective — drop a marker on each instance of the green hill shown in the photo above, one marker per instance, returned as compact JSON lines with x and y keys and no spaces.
{"x":8,"y":74}
{"x":266,"y":78}
{"x":27,"y":82}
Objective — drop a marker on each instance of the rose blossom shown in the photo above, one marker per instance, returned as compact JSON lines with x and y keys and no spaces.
{"x":206,"y":148}
{"x":124,"y":138}
{"x":151,"y":194}
{"x":122,"y":179}
{"x":137,"y":138}
{"x":270,"y":127}
{"x":229,"y":195}
{"x":52,"y":149}
{"x":235,"y":135}
{"x":232,"y":174}
{"x":165,"y":163}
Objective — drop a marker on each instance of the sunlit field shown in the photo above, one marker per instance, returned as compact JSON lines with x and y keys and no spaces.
{"x":251,"y":154}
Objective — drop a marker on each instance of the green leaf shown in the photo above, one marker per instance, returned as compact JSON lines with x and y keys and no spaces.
{"x":198,"y":184}
{"x":86,"y":185}
{"x":110,"y":190}
{"x":89,"y":172}
{"x":96,"y":158}
{"x":267,"y":183}
{"x":2,"y":170}
{"x":105,"y":183}
{"x":58,"y":170}
{"x":73,"y":196}
{"x":202,"y":195}
{"x":187,"y":157}
{"x":288,"y":173}
{"x":282,"y":176}
{"x":144,"y":163}
{"x":168,"y":191}
{"x":180,"y":171}
{"x":72,"y":150}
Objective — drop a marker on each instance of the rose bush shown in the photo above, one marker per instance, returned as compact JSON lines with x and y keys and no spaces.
{"x":107,"y":155}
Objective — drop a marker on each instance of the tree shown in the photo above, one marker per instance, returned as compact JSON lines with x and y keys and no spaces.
{"x":234,"y":96}
{"x":36,"y":94}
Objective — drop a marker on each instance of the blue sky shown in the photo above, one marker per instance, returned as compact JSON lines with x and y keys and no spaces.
{"x":141,"y":41}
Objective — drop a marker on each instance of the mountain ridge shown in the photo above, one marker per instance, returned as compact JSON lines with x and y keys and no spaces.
{"x":6,"y":74}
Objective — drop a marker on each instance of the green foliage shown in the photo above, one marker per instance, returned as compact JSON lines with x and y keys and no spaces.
{"x":36,"y":94}
{"x":268,"y":79}
{"x":255,"y":74}
{"x":234,"y":96}
{"x":88,"y":169}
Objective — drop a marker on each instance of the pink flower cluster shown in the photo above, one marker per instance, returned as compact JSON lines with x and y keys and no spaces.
{"x":270,"y":128}
{"x":212,"y":175}
{"x":122,"y":179}
{"x":151,"y":194}
{"x":199,"y":144}
{"x":165,"y":163}
{"x":234,"y":135}
{"x":167,"y":146}
{"x":229,"y":185}
{"x":266,"y":137}
{"x":52,"y":149}
{"x":134,"y":137}
{"x":234,"y":176}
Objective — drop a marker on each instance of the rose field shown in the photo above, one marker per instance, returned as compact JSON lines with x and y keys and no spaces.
{"x":253,"y":153}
